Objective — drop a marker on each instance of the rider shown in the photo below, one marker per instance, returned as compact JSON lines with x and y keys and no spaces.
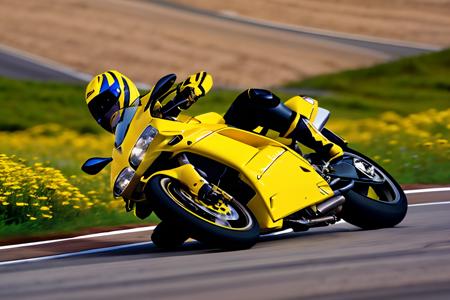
{"x":111,"y":91}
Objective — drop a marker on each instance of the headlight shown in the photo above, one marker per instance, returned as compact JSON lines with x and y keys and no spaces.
{"x":141,"y":146}
{"x":122,"y":181}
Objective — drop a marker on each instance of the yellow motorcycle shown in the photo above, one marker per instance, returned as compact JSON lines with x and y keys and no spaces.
{"x":225,"y":186}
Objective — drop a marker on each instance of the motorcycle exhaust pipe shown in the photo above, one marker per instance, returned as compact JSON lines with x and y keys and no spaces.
{"x":322,"y":221}
{"x":330,"y":204}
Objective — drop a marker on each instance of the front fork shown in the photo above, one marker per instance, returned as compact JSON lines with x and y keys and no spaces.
{"x":194,"y":180}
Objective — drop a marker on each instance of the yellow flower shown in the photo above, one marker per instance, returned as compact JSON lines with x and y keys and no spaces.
{"x":4,"y":203}
{"x":44,"y":208}
{"x":47,"y":216}
{"x":33,"y":219}
{"x":21,"y":204}
{"x":43,"y":198}
{"x":76,"y":206}
{"x":393,"y":142}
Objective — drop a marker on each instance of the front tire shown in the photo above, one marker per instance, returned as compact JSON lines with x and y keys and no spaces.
{"x":168,"y":236}
{"x":230,"y":226}
{"x":374,"y":206}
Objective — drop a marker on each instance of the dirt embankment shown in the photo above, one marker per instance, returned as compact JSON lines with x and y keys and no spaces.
{"x":147,"y":41}
{"x":424,"y":21}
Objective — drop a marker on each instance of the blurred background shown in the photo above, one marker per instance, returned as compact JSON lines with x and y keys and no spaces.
{"x":381,"y":67}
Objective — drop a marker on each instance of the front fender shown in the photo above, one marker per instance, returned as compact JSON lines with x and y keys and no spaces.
{"x":186,"y":174}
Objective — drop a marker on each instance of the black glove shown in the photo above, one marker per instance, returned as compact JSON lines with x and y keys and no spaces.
{"x":186,"y":94}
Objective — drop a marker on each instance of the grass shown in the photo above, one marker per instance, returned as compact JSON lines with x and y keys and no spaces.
{"x":406,"y":86}
{"x":49,"y":124}
{"x":26,"y":103}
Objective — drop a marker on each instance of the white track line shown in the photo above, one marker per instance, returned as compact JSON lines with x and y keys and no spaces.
{"x":45,"y":62}
{"x":150,"y":228}
{"x":429,"y":204}
{"x":126,"y":246}
{"x":55,"y":66}
{"x":430,"y":190}
{"x":87,"y":236}
{"x":73,"y":254}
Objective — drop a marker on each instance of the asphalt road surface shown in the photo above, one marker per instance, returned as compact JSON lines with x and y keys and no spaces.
{"x":410,"y":261}
{"x":18,"y":65}
{"x":391,"y":48}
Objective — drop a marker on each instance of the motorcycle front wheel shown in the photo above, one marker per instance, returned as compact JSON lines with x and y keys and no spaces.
{"x":227,"y":224}
{"x":169,"y":236}
{"x":372,"y":206}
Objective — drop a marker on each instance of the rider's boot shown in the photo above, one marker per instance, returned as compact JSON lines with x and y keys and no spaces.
{"x":307,"y":134}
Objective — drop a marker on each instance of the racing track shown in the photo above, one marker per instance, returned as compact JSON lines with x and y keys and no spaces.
{"x":17,"y":64}
{"x":410,"y":261}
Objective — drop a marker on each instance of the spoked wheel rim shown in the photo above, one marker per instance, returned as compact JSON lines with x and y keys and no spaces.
{"x":384,"y":191}
{"x":228,"y":214}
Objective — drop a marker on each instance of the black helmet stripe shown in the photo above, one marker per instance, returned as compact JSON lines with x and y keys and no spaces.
{"x":126,"y":90}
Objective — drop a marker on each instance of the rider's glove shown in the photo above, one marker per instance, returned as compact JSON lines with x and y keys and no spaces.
{"x":189,"y":95}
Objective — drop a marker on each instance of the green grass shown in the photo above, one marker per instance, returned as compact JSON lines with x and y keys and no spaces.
{"x":405,"y":86}
{"x":27,"y":103}
{"x":96,"y":218}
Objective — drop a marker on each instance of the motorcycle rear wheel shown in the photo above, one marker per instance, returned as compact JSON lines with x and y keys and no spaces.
{"x":374,"y":206}
{"x":230,"y":226}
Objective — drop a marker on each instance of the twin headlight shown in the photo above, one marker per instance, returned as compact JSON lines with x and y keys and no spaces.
{"x":136,"y":156}
{"x":123,"y":180}
{"x":141,"y":146}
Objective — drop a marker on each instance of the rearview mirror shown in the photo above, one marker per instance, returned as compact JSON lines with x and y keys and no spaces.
{"x":161,"y":87}
{"x":95,"y":164}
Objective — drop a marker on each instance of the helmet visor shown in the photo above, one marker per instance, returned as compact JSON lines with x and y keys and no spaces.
{"x":103,"y":107}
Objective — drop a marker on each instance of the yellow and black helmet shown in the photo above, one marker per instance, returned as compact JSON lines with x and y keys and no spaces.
{"x":107,"y":94}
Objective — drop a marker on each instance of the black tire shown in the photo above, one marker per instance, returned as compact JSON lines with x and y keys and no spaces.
{"x":168,"y":236}
{"x":173,"y":204}
{"x":369,"y":213}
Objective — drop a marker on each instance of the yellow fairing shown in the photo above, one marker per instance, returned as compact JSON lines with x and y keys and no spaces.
{"x":264,"y":164}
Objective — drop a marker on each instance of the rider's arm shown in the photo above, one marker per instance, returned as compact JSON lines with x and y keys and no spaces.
{"x":188,"y":92}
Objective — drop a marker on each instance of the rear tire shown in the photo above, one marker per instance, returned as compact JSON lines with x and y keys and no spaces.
{"x":384,"y":206}
{"x":174,"y":204}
